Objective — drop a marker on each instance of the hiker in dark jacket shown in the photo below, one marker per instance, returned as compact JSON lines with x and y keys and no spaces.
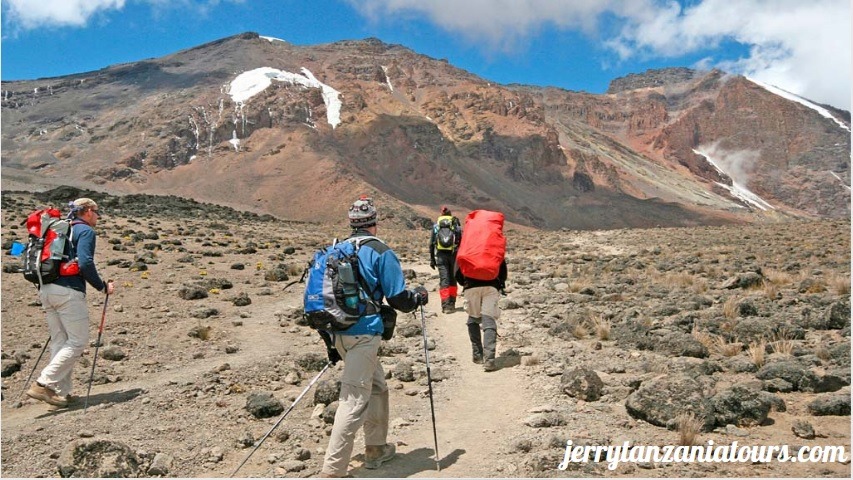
{"x":364,"y":393}
{"x":64,"y":302}
{"x":483,"y":312}
{"x":443,"y":255}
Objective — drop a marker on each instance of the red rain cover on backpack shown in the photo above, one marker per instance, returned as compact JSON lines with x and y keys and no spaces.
{"x":483,"y":245}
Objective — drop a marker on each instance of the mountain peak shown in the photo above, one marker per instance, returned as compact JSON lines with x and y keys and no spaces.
{"x":652,"y":78}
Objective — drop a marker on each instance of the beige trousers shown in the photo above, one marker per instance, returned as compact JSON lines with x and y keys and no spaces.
{"x":68,"y":323}
{"x":483,"y":301}
{"x":363,"y":401}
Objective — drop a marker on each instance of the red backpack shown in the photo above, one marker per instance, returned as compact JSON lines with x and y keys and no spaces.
{"x":46,"y":254}
{"x":483,"y":245}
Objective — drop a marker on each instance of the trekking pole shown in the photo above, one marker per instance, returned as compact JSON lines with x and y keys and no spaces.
{"x":429,"y":384}
{"x":97,"y":345}
{"x":311,"y":384}
{"x":18,"y":403}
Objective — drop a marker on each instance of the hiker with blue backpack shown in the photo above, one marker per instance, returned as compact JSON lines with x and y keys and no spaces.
{"x":368,"y":274}
{"x":443,"y":243}
{"x":64,"y":301}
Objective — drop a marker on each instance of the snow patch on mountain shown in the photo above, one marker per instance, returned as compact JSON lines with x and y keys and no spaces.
{"x":732,"y":166}
{"x":802,"y":101}
{"x":248,"y":84}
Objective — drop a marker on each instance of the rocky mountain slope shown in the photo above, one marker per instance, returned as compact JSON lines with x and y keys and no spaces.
{"x":663,"y":336}
{"x":672,"y":147}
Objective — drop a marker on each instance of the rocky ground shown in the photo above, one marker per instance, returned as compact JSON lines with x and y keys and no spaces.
{"x":657,"y":337}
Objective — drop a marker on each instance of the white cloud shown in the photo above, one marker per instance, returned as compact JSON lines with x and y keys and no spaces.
{"x":801,"y":46}
{"x":31,"y":14}
{"x":28,"y":14}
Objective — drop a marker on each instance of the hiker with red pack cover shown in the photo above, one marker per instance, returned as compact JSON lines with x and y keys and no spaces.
{"x":482,"y":272}
{"x":64,"y":302}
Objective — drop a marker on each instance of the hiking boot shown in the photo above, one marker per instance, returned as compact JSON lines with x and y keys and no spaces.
{"x":46,"y":394}
{"x":376,"y":455}
{"x":489,"y":366}
{"x":478,"y":359}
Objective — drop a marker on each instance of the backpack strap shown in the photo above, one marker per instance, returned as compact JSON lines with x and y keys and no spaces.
{"x":357,"y":243}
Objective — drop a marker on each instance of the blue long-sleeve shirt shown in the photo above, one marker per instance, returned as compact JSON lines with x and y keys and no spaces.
{"x":83,"y":239}
{"x":381,"y":270}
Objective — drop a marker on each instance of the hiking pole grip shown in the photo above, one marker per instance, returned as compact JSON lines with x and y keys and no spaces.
{"x":429,"y":386}
{"x":310,"y":384}
{"x":97,"y":346}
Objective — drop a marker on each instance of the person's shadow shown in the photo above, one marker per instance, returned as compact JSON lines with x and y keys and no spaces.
{"x":408,"y":464}
{"x":507,"y":360}
{"x":97,"y":399}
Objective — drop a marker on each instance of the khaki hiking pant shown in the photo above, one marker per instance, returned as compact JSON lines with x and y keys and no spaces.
{"x":483,"y":301}
{"x":363,"y":401}
{"x":68,"y":323}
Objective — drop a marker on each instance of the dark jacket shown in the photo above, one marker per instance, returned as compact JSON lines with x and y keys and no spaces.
{"x":499,"y":282}
{"x":83,"y":248}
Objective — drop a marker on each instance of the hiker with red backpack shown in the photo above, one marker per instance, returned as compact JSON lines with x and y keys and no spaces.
{"x":364,"y":393}
{"x":443,"y":244}
{"x":482,"y":272}
{"x":64,"y":301}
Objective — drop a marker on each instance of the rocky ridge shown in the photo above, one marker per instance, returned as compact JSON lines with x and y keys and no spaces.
{"x":425,"y":133}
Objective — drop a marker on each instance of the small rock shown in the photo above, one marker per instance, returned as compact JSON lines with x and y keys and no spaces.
{"x":803,"y":429}
{"x":161,"y":464}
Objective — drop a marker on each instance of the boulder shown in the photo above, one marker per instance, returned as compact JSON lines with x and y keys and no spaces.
{"x":161,"y":465}
{"x":404,"y":371}
{"x":740,"y":406}
{"x":836,"y":404}
{"x":803,"y":429}
{"x":93,"y":458}
{"x":787,"y":370}
{"x":661,"y":400}
{"x":9,"y":366}
{"x":582,"y":383}
{"x":312,"y":362}
{"x":327,"y":392}
{"x":263,"y":405}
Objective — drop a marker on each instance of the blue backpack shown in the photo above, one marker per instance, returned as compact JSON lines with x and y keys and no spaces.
{"x":336,"y":296}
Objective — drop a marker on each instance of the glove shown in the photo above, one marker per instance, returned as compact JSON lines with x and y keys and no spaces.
{"x":334,"y":356}
{"x":331,"y":351}
{"x":432,"y":263}
{"x":421,"y":295}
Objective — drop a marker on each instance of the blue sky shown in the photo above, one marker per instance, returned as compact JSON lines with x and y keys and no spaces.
{"x":803,"y":46}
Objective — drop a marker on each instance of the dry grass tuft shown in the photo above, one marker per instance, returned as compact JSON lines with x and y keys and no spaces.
{"x":840,"y":284}
{"x":531,"y":360}
{"x":703,"y":337}
{"x":678,"y":279}
{"x":777,"y":277}
{"x":579,"y":284}
{"x":782,"y":342}
{"x":688,"y":426}
{"x":726,"y":348}
{"x":730,"y":308}
{"x":581,"y":331}
{"x":700,"y":285}
{"x":756,"y":352}
{"x":601,"y":326}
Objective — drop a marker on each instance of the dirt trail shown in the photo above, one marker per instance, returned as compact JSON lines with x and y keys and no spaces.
{"x":476,"y":412}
